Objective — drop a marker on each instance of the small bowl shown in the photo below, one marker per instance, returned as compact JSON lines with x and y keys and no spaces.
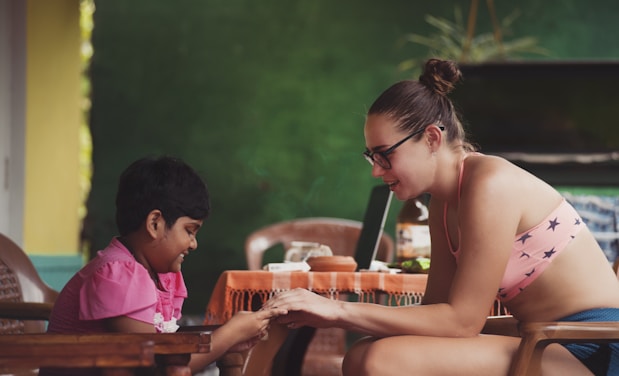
{"x":332,"y":264}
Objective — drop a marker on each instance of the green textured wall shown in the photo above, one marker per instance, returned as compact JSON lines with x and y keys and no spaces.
{"x":267,"y":100}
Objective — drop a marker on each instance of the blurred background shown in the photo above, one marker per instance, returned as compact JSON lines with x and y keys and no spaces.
{"x":266,"y":99}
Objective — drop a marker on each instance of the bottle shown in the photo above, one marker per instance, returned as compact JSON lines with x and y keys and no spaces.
{"x":412,"y":231}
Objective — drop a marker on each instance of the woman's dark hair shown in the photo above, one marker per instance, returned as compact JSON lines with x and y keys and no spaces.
{"x":163,"y":183}
{"x":414,"y":105}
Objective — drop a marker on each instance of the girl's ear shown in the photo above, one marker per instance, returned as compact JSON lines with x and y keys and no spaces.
{"x":154,"y":223}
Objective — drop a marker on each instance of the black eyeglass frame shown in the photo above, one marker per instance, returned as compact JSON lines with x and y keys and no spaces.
{"x":369,"y":155}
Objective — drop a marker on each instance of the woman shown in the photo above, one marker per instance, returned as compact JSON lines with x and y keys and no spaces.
{"x":497,"y":232}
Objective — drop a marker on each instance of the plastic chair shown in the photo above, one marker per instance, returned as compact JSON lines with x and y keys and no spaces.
{"x":326,"y":350}
{"x":26,"y":303}
{"x":339,"y":234}
{"x":20,"y":283}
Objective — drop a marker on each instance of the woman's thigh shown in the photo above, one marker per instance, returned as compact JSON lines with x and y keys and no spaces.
{"x":481,"y":355}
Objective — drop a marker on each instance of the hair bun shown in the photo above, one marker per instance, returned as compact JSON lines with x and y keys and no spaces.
{"x":440,"y":76}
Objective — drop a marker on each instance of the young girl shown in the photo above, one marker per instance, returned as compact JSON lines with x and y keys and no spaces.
{"x":135,"y":284}
{"x":497,"y":232}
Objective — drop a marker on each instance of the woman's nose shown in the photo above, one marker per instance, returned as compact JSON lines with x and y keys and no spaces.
{"x":377,"y":171}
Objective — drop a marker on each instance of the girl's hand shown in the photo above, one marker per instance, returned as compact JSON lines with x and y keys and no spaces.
{"x":245,"y":345}
{"x":249,"y":327}
{"x":304,"y":308}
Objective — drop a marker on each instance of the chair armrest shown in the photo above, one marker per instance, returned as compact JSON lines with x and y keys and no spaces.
{"x":164,"y":343}
{"x":172,"y":351}
{"x":537,"y":335}
{"x":501,"y":325}
{"x":25,"y":310}
{"x":18,"y":354}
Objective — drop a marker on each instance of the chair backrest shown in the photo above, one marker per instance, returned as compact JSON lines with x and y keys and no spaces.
{"x":20,"y":282}
{"x":339,"y":234}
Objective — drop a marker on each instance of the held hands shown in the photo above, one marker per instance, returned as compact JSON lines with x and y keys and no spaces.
{"x":295,"y":308}
{"x":250,"y":327}
{"x":302,"y":307}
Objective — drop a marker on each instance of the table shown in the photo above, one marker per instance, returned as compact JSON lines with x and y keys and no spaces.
{"x":238,"y":290}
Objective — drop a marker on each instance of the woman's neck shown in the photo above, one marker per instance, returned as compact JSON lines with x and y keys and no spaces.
{"x":448,"y":174}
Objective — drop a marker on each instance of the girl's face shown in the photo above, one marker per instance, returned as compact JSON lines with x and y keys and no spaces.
{"x":174,"y":244}
{"x":408,"y":176}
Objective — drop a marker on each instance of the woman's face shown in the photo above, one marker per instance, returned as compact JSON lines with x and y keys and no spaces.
{"x":408,"y":176}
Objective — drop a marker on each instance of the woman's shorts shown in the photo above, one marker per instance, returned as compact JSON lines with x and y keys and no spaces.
{"x":601,"y":359}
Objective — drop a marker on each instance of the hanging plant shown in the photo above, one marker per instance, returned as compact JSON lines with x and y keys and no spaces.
{"x":455,"y":40}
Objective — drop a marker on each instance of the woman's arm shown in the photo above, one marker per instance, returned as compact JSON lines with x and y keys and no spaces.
{"x":443,"y":262}
{"x":459,"y":299}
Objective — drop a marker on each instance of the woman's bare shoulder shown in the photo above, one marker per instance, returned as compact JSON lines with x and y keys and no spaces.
{"x":509,"y":188}
{"x":491,"y":176}
{"x":493,"y":172}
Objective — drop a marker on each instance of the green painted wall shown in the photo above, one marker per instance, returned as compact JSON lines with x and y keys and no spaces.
{"x":267,"y":100}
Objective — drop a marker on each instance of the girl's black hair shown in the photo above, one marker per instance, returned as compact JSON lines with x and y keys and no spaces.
{"x":164,"y":183}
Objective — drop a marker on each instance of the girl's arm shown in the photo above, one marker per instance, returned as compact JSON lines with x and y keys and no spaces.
{"x":222,"y":339}
{"x":240,"y":333}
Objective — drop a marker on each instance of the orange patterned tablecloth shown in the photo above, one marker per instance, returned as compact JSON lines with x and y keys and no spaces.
{"x":236,"y":289}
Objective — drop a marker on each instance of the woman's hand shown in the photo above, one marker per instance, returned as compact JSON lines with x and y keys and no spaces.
{"x":304,"y":308}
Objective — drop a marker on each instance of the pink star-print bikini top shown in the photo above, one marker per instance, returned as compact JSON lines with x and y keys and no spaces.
{"x":533,"y":250}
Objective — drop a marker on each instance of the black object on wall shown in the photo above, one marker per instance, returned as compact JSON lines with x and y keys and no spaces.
{"x":558,"y":120}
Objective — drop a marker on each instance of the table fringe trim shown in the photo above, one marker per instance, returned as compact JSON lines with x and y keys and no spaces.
{"x":241,"y":300}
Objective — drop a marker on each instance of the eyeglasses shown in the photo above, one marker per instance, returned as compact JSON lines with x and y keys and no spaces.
{"x":381,"y":157}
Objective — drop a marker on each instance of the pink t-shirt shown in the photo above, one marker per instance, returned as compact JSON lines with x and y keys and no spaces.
{"x":114,"y":284}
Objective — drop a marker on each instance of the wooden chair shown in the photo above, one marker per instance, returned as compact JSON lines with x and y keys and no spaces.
{"x":537,"y":335}
{"x":23,"y":358}
{"x":26,"y":303}
{"x":19,"y":281}
{"x":166,"y":353}
{"x":326,"y":350}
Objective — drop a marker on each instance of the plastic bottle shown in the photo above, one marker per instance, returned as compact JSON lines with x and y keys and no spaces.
{"x":412,"y":231}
